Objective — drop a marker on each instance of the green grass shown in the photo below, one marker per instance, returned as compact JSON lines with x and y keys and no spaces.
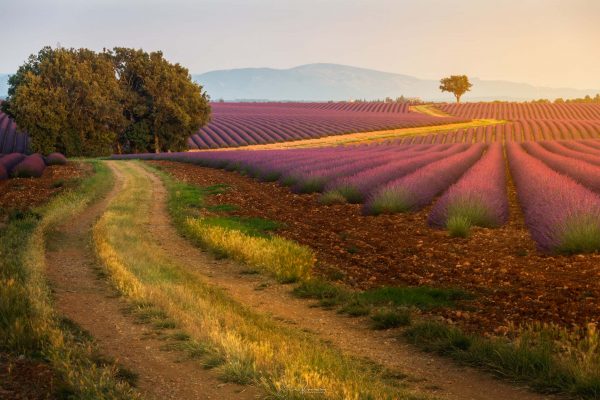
{"x":387,"y":305}
{"x":422,"y":297}
{"x":465,"y":213}
{"x":351,"y":194}
{"x":238,"y":343}
{"x":390,"y":318}
{"x":29,"y":326}
{"x":185,"y":200}
{"x":248,"y":240}
{"x":549,"y":359}
{"x":580,"y":235}
{"x":310,"y":185}
{"x":332,"y":197}
{"x":458,"y":226}
{"x":391,"y":201}
{"x":246,"y":225}
{"x":327,"y":293}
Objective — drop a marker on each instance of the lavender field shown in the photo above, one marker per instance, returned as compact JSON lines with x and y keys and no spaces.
{"x":557,"y":182}
{"x":243,"y":124}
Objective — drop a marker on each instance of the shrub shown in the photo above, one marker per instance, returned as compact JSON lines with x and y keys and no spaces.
{"x":56,"y":159}
{"x":31,"y":167}
{"x":9,"y":161}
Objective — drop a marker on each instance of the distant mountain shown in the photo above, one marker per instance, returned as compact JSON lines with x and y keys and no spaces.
{"x":3,"y":85}
{"x":323,"y":82}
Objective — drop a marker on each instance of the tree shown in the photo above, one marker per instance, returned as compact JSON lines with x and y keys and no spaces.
{"x":456,"y":84}
{"x":68,"y":100}
{"x":85,"y":103}
{"x":162,"y":105}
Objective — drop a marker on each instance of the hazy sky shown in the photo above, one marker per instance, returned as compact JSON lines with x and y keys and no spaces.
{"x":543,"y":42}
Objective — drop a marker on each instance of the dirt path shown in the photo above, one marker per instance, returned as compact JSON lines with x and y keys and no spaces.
{"x":429,"y":109}
{"x":426,"y":373}
{"x":82,"y":296}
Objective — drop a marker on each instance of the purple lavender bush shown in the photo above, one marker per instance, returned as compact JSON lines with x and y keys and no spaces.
{"x":357,"y":187}
{"x":562,"y":215}
{"x":418,"y":189}
{"x":581,"y":171}
{"x":56,"y":159}
{"x":32,"y":166}
{"x":9,"y":161}
{"x":478,"y":199}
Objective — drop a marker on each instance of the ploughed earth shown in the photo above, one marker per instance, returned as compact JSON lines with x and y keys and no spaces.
{"x":512,"y":282}
{"x":25,"y":193}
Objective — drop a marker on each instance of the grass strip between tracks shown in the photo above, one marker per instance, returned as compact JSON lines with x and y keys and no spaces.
{"x":242,"y":345}
{"x":28,"y":323}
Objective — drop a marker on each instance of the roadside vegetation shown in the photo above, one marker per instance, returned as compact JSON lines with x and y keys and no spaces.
{"x":548,"y":358}
{"x":387,"y":307}
{"x":29,"y":326}
{"x":246,"y":240}
{"x":241,"y":345}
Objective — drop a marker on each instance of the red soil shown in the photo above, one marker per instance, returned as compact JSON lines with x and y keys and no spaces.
{"x":25,"y":193}
{"x":511,"y":280}
{"x":21,"y":378}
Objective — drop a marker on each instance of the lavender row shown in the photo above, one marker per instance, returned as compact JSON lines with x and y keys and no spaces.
{"x":357,"y":187}
{"x":561,"y":214}
{"x":581,"y":171}
{"x":479,"y":198}
{"x":418,"y":189}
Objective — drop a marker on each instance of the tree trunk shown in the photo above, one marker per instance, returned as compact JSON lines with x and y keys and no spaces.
{"x":156,"y":145}
{"x":457,"y":98}
{"x":119,"y":150}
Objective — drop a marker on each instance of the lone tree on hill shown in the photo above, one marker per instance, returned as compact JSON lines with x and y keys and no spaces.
{"x":456,"y":84}
{"x":84,"y":103}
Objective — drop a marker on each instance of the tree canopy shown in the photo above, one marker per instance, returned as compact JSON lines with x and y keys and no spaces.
{"x":456,"y":84}
{"x":85,"y":103}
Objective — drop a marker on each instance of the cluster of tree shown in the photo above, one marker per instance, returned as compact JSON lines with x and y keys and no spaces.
{"x":586,"y":99}
{"x":85,"y":103}
{"x":402,"y":99}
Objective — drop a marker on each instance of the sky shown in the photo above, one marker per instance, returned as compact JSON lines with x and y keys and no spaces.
{"x":542,"y":42}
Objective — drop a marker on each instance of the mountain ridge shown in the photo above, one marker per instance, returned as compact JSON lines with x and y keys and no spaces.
{"x":336,"y":82}
{"x":326,"y":82}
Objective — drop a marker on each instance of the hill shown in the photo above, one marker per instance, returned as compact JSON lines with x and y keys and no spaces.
{"x":3,"y":85}
{"x":323,"y":82}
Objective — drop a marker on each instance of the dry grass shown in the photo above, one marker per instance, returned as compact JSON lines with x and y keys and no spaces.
{"x":429,"y":109}
{"x":244,"y":346}
{"x":285,"y":260}
{"x":28,"y":323}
